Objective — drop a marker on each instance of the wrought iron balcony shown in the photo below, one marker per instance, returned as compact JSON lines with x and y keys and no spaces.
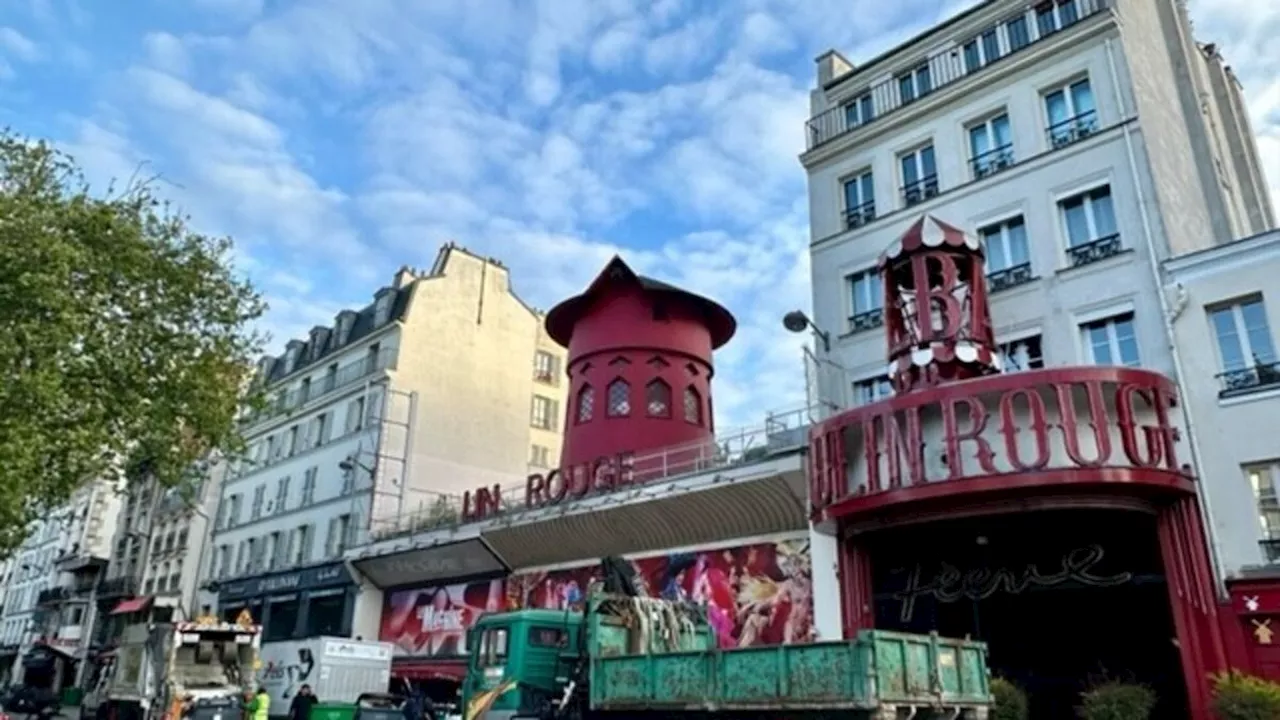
{"x":861,"y":215}
{"x":1094,"y":250}
{"x":1073,"y":129}
{"x":1009,"y":277}
{"x":53,"y":595}
{"x":992,"y":161}
{"x":868,"y":320}
{"x":119,"y":587}
{"x":1271,"y":549}
{"x":1262,"y":376}
{"x":884,"y":98}
{"x":920,"y":190}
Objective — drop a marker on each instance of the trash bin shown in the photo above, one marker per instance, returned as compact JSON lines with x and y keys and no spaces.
{"x":72,"y":696}
{"x":333,"y":711}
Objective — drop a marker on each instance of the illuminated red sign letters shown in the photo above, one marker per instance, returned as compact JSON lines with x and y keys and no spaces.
{"x":569,"y":483}
{"x":1009,"y":426}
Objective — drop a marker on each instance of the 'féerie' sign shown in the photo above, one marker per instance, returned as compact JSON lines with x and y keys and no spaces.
{"x":568,"y":483}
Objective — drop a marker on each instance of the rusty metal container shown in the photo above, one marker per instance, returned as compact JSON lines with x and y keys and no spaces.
{"x":874,"y":674}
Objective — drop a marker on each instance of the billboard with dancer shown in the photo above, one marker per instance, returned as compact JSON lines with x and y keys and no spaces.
{"x":755,"y":594}
{"x":432,"y":622}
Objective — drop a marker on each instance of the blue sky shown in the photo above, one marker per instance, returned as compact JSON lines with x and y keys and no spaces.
{"x":339,"y":139}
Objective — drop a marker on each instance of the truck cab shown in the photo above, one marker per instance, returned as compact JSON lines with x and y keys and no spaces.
{"x":519,"y":662}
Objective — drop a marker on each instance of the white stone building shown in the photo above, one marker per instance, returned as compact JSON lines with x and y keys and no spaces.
{"x":49,"y":600}
{"x":1225,"y":301}
{"x":1084,"y":141}
{"x":444,"y":383}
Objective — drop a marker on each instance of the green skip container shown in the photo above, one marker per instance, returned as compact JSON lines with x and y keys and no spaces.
{"x":333,"y":711}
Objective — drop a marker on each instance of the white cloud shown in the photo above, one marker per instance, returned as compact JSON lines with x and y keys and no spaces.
{"x":549,"y":134}
{"x":18,"y":46}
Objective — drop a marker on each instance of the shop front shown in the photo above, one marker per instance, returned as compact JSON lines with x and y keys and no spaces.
{"x":305,"y":603}
{"x":1046,"y":512}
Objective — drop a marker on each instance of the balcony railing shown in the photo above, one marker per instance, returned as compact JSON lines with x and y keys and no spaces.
{"x":861,"y":215}
{"x":1271,"y":549}
{"x":1072,"y":130}
{"x":920,"y":190}
{"x":1094,"y":250}
{"x":1009,"y":277}
{"x":53,"y":595}
{"x":353,"y":372}
{"x":992,"y":161}
{"x":1262,"y":376}
{"x":864,"y":321}
{"x":779,"y":433}
{"x":885,"y":97}
{"x":120,"y":587}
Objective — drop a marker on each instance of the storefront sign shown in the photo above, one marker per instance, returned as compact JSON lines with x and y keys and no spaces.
{"x":308,"y":579}
{"x":993,"y":428}
{"x":569,"y":483}
{"x":431,"y":565}
{"x":950,"y":584}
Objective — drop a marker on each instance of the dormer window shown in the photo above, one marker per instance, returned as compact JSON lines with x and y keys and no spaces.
{"x":382,"y":310}
{"x":290,"y":360}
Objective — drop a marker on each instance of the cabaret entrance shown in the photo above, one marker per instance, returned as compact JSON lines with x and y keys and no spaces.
{"x":1063,"y":598}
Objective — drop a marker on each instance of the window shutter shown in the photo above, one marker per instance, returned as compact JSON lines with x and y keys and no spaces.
{"x":355,"y":408}
{"x":373,"y":407}
{"x":331,"y":538}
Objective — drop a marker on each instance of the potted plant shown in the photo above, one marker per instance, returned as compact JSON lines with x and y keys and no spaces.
{"x":1237,"y":696}
{"x":1010,"y":702}
{"x":1117,"y":700}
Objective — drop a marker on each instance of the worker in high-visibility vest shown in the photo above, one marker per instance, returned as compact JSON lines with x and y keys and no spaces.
{"x":259,"y":706}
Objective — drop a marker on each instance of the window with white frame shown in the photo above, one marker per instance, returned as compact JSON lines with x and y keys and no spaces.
{"x":872,"y":390}
{"x":919,"y":174}
{"x":1089,"y":224}
{"x":543,"y":413}
{"x":544,"y":367}
{"x":859,"y":111}
{"x":355,"y":415}
{"x":1022,"y":353}
{"x":1008,"y":257}
{"x":1263,"y":479}
{"x":981,"y":50}
{"x":540,"y":456}
{"x":990,"y":145}
{"x":1071,"y":112}
{"x":309,"y":486}
{"x":866,"y":300}
{"x":259,"y":494}
{"x":915,"y":84}
{"x":1055,"y":15}
{"x":859,"y":199}
{"x":1246,"y":350}
{"x":1111,"y":341}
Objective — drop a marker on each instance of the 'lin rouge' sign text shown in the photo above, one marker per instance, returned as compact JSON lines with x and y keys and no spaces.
{"x":997,"y":427}
{"x":556,"y":486}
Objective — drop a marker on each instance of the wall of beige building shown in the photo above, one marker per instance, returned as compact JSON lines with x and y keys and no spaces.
{"x":467,"y":375}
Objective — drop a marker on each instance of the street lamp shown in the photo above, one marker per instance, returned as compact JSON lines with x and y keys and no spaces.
{"x":797,"y":322}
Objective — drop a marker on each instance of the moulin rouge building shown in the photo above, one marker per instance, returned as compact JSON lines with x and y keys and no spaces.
{"x":1049,"y":512}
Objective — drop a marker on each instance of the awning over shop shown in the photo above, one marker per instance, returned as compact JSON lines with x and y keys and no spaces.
{"x":705,"y":510}
{"x":424,"y":669}
{"x":428,"y":563}
{"x":131,"y":606}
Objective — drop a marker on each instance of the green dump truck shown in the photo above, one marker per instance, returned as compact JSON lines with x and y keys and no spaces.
{"x":635,"y":657}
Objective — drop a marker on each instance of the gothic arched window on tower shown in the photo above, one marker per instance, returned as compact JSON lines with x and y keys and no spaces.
{"x":692,"y":405}
{"x":657,"y":399}
{"x":619,"y":399}
{"x":586,"y":403}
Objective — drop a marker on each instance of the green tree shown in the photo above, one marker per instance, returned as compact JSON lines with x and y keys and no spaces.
{"x":126,"y":341}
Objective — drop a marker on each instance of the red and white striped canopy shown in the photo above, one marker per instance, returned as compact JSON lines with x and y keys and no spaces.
{"x":929,"y":232}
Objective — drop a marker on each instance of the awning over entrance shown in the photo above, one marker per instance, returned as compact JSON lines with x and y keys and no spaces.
{"x":710,"y":511}
{"x":761,"y":498}
{"x":131,"y":606}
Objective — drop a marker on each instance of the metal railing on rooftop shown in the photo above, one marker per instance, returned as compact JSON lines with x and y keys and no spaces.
{"x":780,"y":432}
{"x":887,"y":96}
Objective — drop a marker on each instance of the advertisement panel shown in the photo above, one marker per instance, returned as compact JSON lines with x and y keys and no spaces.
{"x":757,"y":594}
{"x":432,"y":622}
